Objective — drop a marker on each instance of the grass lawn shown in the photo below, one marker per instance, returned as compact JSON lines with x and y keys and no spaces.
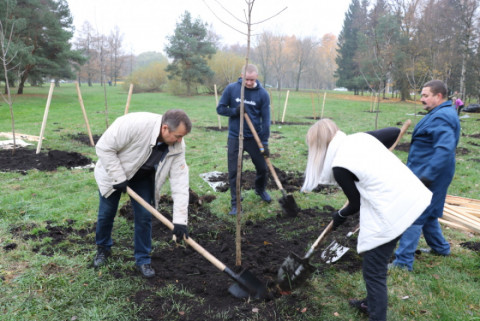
{"x":64,"y":287}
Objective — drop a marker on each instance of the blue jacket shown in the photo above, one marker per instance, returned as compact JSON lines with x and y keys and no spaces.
{"x":432,"y":154}
{"x":257,"y":106}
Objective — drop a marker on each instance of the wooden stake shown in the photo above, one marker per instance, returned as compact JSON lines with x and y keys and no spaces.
{"x":272,"y":108}
{"x":130,"y":91}
{"x":92,"y":143}
{"x":216,"y":101}
{"x":313,"y":107}
{"x":285,"y":106}
{"x":323,"y":105}
{"x":45,"y":115}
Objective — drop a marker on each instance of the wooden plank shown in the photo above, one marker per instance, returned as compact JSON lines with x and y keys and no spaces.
{"x":457,"y":210}
{"x":450,"y":216}
{"x":21,"y":136}
{"x":455,"y":226}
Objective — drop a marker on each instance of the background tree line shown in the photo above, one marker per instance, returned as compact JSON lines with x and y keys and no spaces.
{"x":398,"y":45}
{"x":385,"y":46}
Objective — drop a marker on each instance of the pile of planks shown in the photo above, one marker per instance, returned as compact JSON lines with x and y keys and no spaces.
{"x":462,"y":214}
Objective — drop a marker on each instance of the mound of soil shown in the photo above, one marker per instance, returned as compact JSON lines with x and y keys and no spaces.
{"x":84,"y":138}
{"x":24,"y":159}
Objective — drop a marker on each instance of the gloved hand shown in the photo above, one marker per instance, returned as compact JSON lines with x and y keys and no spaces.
{"x":338,"y":219}
{"x":121,"y":186}
{"x":179,"y":230}
{"x":426,"y":181}
{"x":266,"y":151}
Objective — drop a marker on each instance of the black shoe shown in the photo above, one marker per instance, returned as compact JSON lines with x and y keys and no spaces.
{"x":146,"y":270}
{"x":101,"y":257}
{"x":264,"y":196}
{"x":361,"y":305}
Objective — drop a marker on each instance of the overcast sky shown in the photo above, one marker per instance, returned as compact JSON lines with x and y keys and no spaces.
{"x":146,"y":23}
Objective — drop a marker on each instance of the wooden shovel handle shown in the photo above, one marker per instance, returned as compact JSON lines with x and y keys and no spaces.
{"x":260,"y":145}
{"x":403,"y":130}
{"x":197,"y":247}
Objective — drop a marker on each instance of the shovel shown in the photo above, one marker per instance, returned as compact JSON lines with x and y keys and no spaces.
{"x":335,"y":250}
{"x":287,"y":202}
{"x":294,"y":269}
{"x":246,"y":283}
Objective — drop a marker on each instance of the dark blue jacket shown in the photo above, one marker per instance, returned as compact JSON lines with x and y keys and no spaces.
{"x":257,"y":105}
{"x":432,"y":154}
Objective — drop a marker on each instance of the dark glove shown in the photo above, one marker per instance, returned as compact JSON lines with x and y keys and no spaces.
{"x":338,"y":219}
{"x":122,"y":187}
{"x":426,"y":182}
{"x":266,"y":152}
{"x":237,"y":112}
{"x":180,"y":230}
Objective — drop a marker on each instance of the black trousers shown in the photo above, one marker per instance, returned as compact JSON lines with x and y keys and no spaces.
{"x":375,"y":268}
{"x":251,"y":147}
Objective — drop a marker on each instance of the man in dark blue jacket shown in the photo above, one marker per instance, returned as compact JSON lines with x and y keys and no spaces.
{"x":257,"y":106}
{"x":432,"y":159}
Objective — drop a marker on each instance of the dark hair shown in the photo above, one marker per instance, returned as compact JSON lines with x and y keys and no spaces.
{"x":437,"y":87}
{"x":174,"y":117}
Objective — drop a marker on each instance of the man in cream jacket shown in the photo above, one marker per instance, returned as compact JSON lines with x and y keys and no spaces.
{"x":140,"y":150}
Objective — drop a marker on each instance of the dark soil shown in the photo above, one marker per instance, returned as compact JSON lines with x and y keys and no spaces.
{"x":264,"y":245}
{"x":84,"y":138}
{"x":24,"y":159}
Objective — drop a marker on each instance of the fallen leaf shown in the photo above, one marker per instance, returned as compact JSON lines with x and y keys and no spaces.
{"x":74,"y":318}
{"x":181,"y":312}
{"x":266,"y":243}
{"x":255,"y":310}
{"x":436,"y":276}
{"x":303,"y":310}
{"x":285,"y":292}
{"x":405,"y":297}
{"x":336,"y":314}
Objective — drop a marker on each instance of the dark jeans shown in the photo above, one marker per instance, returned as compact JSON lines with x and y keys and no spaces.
{"x":251,"y":147}
{"x":142,"y":219}
{"x":375,"y":267}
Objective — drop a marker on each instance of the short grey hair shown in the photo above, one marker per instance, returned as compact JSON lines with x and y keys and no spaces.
{"x":174,"y":117}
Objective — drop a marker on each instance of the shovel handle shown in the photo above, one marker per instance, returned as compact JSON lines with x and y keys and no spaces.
{"x":260,"y":146}
{"x":197,"y":247}
{"x":403,"y":130}
{"x":318,"y":240}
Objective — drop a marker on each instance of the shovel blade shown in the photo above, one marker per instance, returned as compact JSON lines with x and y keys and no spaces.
{"x":293,"y":271}
{"x":289,"y":206}
{"x":334,"y":252}
{"x":247,"y":285}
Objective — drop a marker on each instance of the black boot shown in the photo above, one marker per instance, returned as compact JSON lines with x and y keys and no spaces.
{"x":101,"y":257}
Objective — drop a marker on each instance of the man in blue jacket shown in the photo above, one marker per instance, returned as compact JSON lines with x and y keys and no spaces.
{"x":432,"y":159}
{"x":257,"y":106}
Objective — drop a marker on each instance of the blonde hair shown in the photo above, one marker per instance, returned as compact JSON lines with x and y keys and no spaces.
{"x":318,"y":137}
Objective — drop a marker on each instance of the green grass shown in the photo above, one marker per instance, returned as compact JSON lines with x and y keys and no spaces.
{"x":63,"y":287}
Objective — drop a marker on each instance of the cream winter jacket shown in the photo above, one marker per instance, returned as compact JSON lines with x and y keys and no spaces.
{"x":391,"y":196}
{"x":125,"y":147}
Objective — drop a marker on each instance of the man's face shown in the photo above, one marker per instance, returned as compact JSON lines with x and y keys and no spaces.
{"x":250,"y":79}
{"x":429,"y":100}
{"x":172,"y":137}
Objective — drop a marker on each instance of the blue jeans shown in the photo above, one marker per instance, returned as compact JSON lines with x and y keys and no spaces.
{"x":142,"y":219}
{"x":405,"y":254}
{"x":251,"y":147}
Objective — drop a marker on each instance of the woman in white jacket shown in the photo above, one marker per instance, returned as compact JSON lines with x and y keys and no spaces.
{"x":377,"y":184}
{"x":141,"y":150}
